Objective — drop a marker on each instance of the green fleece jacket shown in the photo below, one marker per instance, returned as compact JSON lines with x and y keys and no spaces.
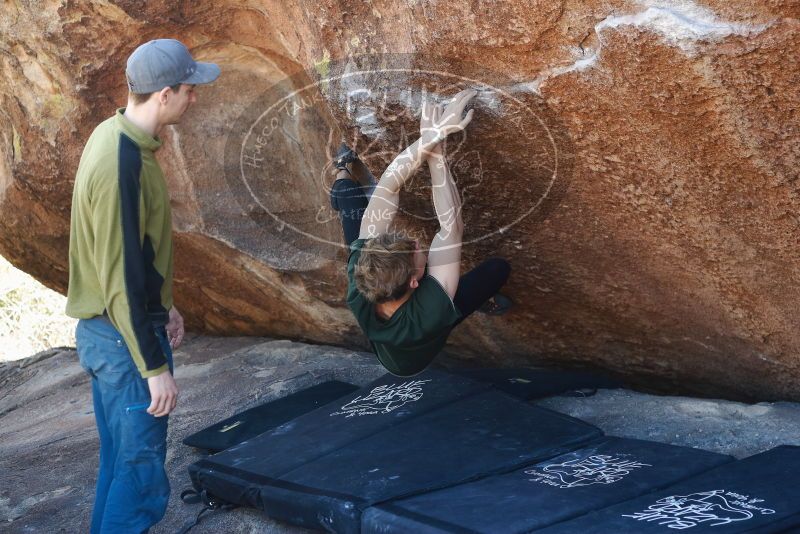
{"x":120,"y":245}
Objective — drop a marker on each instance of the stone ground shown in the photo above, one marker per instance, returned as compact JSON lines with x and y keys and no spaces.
{"x":48,"y":443}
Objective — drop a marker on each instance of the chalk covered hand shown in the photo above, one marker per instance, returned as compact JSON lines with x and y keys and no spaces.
{"x":439,"y":121}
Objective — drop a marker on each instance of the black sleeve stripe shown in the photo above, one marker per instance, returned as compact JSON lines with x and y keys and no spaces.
{"x":130,"y":167}
{"x":153,"y":284}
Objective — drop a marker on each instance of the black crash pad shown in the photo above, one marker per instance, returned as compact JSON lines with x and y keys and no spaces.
{"x":759,"y":494}
{"x":530,"y":384}
{"x":606,"y":472}
{"x":385,"y":402}
{"x":250,"y":423}
{"x":476,"y":435}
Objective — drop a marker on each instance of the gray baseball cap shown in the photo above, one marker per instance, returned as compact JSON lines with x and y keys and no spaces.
{"x":164,"y":62}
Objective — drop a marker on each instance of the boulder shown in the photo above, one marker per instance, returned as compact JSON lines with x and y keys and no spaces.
{"x":635,"y":161}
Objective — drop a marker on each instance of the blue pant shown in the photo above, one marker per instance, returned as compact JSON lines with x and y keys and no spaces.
{"x":132,"y":485}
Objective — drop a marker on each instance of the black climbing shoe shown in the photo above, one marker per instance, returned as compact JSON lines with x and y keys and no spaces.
{"x":344,"y":155}
{"x":497,"y":305}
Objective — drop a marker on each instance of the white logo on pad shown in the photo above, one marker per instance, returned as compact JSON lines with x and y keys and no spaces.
{"x":714,"y":508}
{"x":383,"y":399}
{"x":596,"y":469}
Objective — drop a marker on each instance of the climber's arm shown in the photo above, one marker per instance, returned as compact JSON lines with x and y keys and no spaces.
{"x":385,"y":198}
{"x":444,"y":259}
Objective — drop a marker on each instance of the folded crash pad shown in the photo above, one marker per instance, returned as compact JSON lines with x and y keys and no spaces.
{"x":604,"y":473}
{"x":759,"y":494}
{"x":257,"y":420}
{"x":472,"y":436}
{"x":385,"y":402}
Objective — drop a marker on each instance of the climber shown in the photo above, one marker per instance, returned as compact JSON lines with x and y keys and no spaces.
{"x":407,"y":303}
{"x":120,"y":285}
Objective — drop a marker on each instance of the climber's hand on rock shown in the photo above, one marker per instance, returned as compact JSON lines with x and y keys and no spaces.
{"x":438,"y":122}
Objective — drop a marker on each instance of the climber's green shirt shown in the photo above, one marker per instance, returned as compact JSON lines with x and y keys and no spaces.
{"x":412,"y":337}
{"x":120,"y":244}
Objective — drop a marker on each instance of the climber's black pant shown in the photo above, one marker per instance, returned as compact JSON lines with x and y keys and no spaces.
{"x":350,"y":200}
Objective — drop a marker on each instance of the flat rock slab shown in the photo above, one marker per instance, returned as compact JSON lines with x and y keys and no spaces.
{"x":733,"y":428}
{"x":49,"y":447}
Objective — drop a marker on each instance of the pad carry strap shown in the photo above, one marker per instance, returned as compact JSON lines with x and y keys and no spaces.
{"x":209,"y":502}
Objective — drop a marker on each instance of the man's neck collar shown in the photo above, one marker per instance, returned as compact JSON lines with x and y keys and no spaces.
{"x":139,"y":135}
{"x":141,"y":120}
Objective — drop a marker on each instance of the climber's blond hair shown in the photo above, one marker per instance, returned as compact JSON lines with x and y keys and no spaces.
{"x":385,"y":267}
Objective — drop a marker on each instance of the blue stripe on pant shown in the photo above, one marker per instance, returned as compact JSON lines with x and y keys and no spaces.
{"x":132,"y":485}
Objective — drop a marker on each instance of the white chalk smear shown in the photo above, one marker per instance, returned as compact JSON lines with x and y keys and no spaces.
{"x":679,"y":23}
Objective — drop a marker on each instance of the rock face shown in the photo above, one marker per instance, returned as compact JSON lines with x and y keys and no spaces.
{"x":637,"y":162}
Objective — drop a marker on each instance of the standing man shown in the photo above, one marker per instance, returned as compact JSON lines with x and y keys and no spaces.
{"x":120,"y":285}
{"x":407,"y":303}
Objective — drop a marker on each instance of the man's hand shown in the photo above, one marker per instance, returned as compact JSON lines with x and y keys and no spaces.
{"x":438,"y":122}
{"x":174,"y":328}
{"x":163,"y":394}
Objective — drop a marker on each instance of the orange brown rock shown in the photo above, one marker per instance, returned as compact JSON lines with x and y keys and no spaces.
{"x":665,"y":250}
